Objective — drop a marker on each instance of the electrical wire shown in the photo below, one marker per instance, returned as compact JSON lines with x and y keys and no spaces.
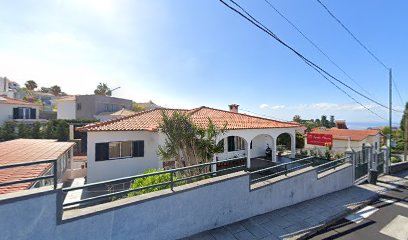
{"x":316,"y":46}
{"x":352,"y":35}
{"x":259,"y":25}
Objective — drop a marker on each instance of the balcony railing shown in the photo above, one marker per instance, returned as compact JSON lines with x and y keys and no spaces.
{"x":25,"y":164}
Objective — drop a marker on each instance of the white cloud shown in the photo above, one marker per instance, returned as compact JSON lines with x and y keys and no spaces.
{"x":262,"y":106}
{"x":278,"y":107}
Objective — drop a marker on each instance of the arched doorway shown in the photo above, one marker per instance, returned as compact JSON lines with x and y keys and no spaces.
{"x":234,"y":147}
{"x":285,"y":145}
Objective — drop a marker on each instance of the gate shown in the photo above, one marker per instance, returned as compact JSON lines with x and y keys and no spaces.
{"x":361,"y":167}
{"x":380,"y":162}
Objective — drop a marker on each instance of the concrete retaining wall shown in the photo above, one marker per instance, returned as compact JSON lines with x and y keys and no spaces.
{"x":164,"y":214}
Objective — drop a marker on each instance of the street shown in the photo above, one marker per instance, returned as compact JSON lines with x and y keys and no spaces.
{"x":387,"y":218}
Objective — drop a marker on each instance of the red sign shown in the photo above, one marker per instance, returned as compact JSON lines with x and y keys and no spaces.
{"x":319,"y":139}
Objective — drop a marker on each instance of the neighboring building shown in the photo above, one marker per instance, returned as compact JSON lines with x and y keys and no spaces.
{"x":129,"y":145}
{"x":346,"y":138}
{"x":8,"y":88}
{"x":109,"y":116}
{"x":147,"y":105}
{"x":89,"y":106}
{"x":341,"y":124}
{"x":30,"y":150}
{"x":18,"y":110}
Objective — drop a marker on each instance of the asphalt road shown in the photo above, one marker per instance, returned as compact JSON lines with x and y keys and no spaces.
{"x":387,"y":218}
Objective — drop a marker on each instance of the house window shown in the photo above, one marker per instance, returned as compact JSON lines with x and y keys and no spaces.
{"x":24,"y":113}
{"x":120,"y":149}
{"x":235,"y":143}
{"x":116,"y":150}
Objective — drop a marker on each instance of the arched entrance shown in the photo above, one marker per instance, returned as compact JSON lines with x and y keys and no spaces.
{"x":234,"y":147}
{"x":286,"y":145}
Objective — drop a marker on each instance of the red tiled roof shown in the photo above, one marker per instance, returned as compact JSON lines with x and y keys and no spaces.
{"x":150,"y":120}
{"x":27,"y":150}
{"x":66,"y":98}
{"x":7,"y":100}
{"x":344,"y":134}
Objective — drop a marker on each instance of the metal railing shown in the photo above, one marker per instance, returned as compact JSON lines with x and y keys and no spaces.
{"x":25,"y":164}
{"x":332,"y":164}
{"x":167,"y":184}
{"x":282,"y":169}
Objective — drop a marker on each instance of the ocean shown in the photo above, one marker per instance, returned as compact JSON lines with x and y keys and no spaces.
{"x":365,"y":125}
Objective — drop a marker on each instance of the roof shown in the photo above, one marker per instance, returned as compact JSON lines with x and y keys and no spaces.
{"x":7,"y":100}
{"x":344,"y":134}
{"x":28,"y":150}
{"x":150,"y":120}
{"x":123,"y":112}
{"x":66,"y":98}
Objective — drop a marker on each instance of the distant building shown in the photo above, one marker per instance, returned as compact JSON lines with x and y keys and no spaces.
{"x":109,"y":116}
{"x":346,"y":138}
{"x":147,"y":105}
{"x":8,"y":88}
{"x":31,"y":150}
{"x":18,"y":110}
{"x":89,"y":106}
{"x":341,"y":124}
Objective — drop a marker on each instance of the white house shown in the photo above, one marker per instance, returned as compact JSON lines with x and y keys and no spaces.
{"x":344,"y":139}
{"x":128,"y":146}
{"x":18,"y":110}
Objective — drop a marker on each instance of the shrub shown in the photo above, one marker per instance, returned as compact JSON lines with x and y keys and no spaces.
{"x":148,"y":181}
{"x":395,"y":159}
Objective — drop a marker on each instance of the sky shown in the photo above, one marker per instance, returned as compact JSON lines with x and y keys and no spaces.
{"x":185,"y":54}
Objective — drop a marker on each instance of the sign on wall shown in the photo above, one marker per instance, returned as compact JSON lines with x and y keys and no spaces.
{"x":319,"y":139}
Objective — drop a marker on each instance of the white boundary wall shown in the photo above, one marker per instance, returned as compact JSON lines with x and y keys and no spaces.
{"x":190,"y":209}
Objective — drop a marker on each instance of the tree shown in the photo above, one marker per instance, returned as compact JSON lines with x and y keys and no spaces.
{"x":36,"y":131}
{"x":186,"y":143}
{"x":103,"y":89}
{"x":55,"y":90}
{"x":137,"y":108}
{"x":31,"y":85}
{"x":318,"y":123}
{"x":297,"y":119}
{"x":332,"y":122}
{"x":402,"y":124}
{"x":8,"y":131}
{"x":300,"y":140}
{"x":45,"y":90}
{"x":324,"y":121}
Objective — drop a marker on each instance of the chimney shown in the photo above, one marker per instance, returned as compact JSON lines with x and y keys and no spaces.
{"x":233,"y":108}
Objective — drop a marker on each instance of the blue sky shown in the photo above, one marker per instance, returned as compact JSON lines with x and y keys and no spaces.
{"x":186,"y":54}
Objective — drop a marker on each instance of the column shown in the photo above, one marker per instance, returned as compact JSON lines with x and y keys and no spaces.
{"x":273,"y":150}
{"x":248,"y":156}
{"x":214,"y":166}
{"x":350,"y":157}
{"x":293,"y":146}
{"x":386,"y":160}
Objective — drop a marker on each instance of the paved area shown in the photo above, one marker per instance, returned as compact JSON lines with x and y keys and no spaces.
{"x":303,"y":219}
{"x":386,"y":218}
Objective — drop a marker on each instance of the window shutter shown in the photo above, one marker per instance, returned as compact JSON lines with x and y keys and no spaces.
{"x":231,"y":143}
{"x":33,"y":113}
{"x":15,"y":113}
{"x":101,"y":151}
{"x":138,"y":149}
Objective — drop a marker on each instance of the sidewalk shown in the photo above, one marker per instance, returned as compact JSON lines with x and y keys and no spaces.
{"x":303,"y":219}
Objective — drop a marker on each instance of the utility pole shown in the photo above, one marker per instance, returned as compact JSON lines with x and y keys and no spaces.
{"x":390,"y":115}
{"x":406,"y":135}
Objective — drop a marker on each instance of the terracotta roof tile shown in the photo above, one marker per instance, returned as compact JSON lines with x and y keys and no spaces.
{"x":344,"y":134}
{"x":150,"y":120}
{"x":7,"y":100}
{"x":27,"y":150}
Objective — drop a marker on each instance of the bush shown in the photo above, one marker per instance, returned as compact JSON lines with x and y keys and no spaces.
{"x":395,"y":159}
{"x":148,"y":181}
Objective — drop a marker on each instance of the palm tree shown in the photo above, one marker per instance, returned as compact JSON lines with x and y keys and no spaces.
{"x":31,"y":85}
{"x":103,"y":89}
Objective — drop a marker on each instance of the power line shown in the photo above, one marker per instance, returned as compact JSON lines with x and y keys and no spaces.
{"x":399,"y":94}
{"x":307,"y":61}
{"x":315,"y":45}
{"x":352,"y":35}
